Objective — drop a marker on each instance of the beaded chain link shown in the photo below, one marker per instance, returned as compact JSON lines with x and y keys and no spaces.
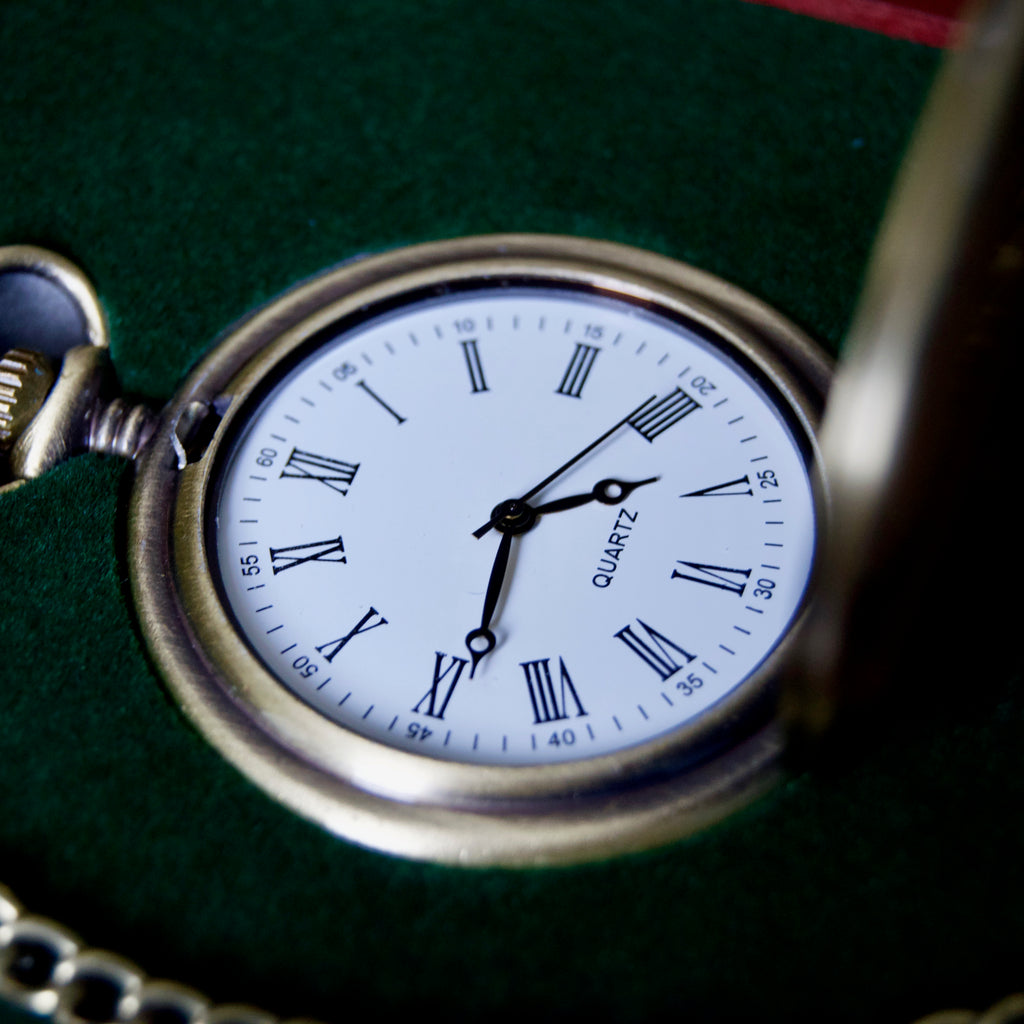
{"x":47,"y":970}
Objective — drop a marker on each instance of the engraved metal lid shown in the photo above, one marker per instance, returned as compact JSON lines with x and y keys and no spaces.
{"x":910,"y":589}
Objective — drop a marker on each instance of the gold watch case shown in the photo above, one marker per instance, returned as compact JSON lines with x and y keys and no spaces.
{"x":395,"y":800}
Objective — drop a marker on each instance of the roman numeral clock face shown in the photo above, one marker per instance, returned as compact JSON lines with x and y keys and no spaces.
{"x":491,"y":546}
{"x":356,"y":537}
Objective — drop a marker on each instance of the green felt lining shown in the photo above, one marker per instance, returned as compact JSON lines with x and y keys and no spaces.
{"x":196,"y":160}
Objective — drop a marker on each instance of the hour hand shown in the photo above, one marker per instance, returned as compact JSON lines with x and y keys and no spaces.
{"x":608,"y":492}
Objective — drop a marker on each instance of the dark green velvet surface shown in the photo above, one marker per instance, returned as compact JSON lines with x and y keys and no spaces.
{"x":196,"y":160}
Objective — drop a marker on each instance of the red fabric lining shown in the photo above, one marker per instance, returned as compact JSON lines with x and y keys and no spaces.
{"x":932,"y":22}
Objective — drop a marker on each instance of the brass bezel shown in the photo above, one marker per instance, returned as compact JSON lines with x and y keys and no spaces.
{"x":391,"y":799}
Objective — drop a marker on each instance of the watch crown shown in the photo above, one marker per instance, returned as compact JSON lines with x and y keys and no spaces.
{"x":25,"y":380}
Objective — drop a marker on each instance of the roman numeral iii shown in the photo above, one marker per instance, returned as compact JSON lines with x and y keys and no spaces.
{"x":576,"y":373}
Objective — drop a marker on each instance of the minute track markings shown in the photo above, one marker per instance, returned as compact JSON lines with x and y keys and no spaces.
{"x":406,"y":389}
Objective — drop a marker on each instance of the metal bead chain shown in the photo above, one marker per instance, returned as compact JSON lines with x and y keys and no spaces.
{"x":1007,"y":1011}
{"x":47,"y":970}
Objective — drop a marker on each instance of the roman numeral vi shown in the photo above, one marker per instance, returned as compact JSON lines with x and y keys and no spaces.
{"x":576,"y":373}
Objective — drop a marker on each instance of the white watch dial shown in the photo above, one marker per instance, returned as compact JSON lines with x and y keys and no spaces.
{"x":349,"y":507}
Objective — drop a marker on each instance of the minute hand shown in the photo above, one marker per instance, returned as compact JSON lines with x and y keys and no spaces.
{"x":642,"y":407}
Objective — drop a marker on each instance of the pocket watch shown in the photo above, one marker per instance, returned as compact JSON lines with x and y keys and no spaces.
{"x":480,"y":551}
